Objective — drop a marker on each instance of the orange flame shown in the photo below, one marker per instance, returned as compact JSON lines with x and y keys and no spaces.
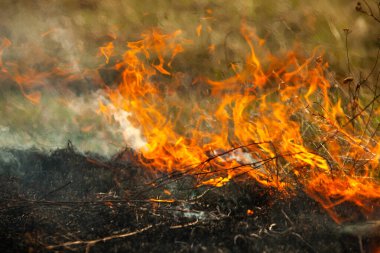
{"x":4,"y":44}
{"x":277,"y":122}
{"x":107,"y":51}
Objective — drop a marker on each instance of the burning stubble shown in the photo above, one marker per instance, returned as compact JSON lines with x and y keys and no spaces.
{"x":249,"y":126}
{"x":217,"y":105}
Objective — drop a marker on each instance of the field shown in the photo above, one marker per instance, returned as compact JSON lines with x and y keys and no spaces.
{"x":189,"y":126}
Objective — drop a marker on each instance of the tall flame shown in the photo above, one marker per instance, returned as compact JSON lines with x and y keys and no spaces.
{"x":278,"y":122}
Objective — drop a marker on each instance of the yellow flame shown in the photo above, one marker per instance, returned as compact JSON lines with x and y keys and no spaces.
{"x":275,"y":122}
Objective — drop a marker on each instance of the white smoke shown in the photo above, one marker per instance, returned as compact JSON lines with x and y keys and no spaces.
{"x":132,"y":135}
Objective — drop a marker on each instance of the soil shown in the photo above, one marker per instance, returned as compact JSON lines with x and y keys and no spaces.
{"x":65,"y":201}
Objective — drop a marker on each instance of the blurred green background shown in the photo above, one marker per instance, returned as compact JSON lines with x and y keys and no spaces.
{"x":66,"y":34}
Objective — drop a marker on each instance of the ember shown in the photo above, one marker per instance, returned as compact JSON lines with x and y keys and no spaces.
{"x":195,"y":137}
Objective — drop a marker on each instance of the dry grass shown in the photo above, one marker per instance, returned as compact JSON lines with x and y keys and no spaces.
{"x":70,"y":32}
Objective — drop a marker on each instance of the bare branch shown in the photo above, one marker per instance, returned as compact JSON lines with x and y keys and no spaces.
{"x":104,"y":239}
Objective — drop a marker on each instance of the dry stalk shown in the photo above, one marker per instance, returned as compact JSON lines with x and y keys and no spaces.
{"x":90,"y":243}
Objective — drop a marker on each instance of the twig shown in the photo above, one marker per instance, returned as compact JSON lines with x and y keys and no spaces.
{"x":304,"y":241}
{"x":362,"y":110}
{"x":372,"y":107}
{"x":346,"y":32}
{"x":104,"y":239}
{"x":287,"y":218}
{"x":184,"y":225}
{"x":374,"y":66}
{"x":359,"y":8}
{"x":57,"y":189}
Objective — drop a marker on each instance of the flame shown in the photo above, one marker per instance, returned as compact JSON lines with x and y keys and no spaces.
{"x":107,"y":51}
{"x":4,"y":44}
{"x":199,"y":30}
{"x":35,"y":69}
{"x":11,"y":71}
{"x":276,"y":120}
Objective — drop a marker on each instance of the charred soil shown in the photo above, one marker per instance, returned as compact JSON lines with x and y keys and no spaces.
{"x":67,"y":201}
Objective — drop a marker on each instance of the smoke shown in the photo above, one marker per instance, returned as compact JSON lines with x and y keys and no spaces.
{"x":64,"y":37}
{"x":132,"y":136}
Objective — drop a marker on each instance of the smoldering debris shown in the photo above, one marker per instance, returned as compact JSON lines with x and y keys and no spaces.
{"x":69,"y":201}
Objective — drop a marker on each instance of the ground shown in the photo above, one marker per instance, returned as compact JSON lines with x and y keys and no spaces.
{"x":57,"y":197}
{"x":83,"y":201}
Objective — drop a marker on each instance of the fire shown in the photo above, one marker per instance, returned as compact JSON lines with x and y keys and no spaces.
{"x":107,"y":51}
{"x":33,"y":69}
{"x":4,"y":44}
{"x":276,"y":120}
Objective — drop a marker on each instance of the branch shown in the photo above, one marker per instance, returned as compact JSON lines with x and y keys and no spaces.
{"x":104,"y":239}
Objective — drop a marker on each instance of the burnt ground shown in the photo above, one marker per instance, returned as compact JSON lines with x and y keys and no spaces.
{"x":66,"y":201}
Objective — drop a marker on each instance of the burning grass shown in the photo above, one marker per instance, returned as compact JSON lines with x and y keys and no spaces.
{"x":277,"y":127}
{"x":282,"y":122}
